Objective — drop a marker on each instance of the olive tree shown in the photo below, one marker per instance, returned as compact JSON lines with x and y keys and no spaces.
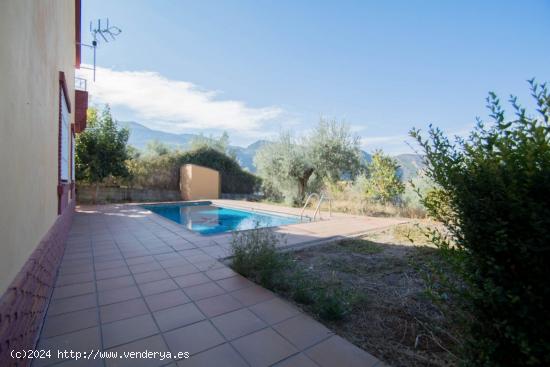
{"x":291,"y":166}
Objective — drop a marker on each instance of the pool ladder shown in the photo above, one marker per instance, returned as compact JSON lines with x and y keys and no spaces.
{"x":321,"y":198}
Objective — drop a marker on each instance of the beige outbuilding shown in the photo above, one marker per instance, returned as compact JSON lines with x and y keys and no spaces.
{"x":198,"y":182}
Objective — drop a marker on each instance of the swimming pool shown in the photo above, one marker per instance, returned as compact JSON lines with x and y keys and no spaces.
{"x":206,"y":218}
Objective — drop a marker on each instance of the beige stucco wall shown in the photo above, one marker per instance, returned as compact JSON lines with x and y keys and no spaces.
{"x":37,"y":40}
{"x":197,"y":182}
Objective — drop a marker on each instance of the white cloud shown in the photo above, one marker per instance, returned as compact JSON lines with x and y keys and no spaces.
{"x":173,"y":105}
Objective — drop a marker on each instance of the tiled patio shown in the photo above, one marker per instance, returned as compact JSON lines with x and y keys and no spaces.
{"x":133,"y":281}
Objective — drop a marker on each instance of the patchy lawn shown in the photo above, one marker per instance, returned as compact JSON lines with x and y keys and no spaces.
{"x":370,"y":290}
{"x":392,"y":318}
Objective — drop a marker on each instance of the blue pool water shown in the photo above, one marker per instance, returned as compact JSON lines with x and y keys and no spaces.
{"x":205,"y":218}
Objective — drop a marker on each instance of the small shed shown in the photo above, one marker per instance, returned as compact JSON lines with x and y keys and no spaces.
{"x":198,"y":182}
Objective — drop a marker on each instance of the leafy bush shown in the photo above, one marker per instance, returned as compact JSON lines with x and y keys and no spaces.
{"x":495,"y":202}
{"x":332,"y":303}
{"x":162,"y":170}
{"x":255,"y":255}
{"x":382,"y":182}
{"x":101,"y":149}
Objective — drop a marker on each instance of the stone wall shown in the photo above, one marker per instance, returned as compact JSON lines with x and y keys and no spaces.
{"x":85,"y":195}
{"x":251,"y":197}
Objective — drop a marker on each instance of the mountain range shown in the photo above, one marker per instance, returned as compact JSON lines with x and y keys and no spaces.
{"x":140,"y":136}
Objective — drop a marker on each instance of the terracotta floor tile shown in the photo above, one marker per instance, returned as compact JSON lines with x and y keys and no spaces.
{"x":112,"y":273}
{"x":220,"y":273}
{"x":115,"y":283}
{"x":175,"y":317}
{"x":158,"y":286}
{"x":182,"y":270}
{"x":73,"y":290}
{"x":128,"y":330}
{"x":153,"y":344}
{"x":69,"y":322}
{"x":166,"y":300}
{"x":82,"y":340}
{"x":118,"y":295}
{"x":173,"y":262}
{"x":109,"y":265}
{"x":64,"y":305}
{"x":238,"y":323}
{"x":144,"y":268}
{"x":81,"y":363}
{"x":274,"y":310}
{"x":224,"y":355}
{"x":76,"y":269}
{"x":193,"y":338}
{"x":199,"y":258}
{"x":337,"y":351}
{"x":188,"y":253}
{"x":191,"y":280}
{"x":203,"y":291}
{"x":209,"y":264}
{"x":218,"y":305}
{"x":151,"y":276}
{"x":140,"y":260}
{"x":234,"y":283}
{"x":74,"y":278}
{"x":264,"y":348}
{"x":298,"y":360}
{"x":123,"y":310}
{"x":302,"y":331}
{"x":252,"y":295}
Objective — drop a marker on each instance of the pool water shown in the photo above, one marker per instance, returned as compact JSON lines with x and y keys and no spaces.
{"x":206,"y":219}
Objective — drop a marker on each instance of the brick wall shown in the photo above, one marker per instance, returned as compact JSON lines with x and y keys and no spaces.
{"x":23,"y":305}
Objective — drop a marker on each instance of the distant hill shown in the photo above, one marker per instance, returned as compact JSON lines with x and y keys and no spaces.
{"x":141,"y":135}
{"x":409,"y":164}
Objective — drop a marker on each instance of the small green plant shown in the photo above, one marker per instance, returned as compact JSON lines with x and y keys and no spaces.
{"x":332,"y":303}
{"x":255,"y":256}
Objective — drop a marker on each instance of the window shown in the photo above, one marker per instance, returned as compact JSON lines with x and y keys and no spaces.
{"x":65,"y":138}
{"x":72,"y":158}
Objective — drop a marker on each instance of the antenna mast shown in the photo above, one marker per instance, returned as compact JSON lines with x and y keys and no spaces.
{"x":101,"y":32}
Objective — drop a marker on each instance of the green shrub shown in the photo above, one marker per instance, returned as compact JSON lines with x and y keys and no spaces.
{"x":234,"y":179}
{"x":495,"y":203}
{"x":255,"y":256}
{"x":162,"y":170}
{"x":332,"y":303}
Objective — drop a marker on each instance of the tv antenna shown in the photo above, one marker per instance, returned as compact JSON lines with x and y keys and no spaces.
{"x":101,"y":32}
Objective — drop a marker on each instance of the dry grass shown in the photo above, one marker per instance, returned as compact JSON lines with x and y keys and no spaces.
{"x":392,"y":317}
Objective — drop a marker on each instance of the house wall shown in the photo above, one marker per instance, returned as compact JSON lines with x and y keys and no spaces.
{"x":37,"y":41}
{"x":197,"y":182}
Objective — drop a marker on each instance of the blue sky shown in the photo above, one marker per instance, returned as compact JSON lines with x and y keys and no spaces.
{"x":255,"y":68}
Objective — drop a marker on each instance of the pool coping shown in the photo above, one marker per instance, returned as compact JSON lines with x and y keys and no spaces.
{"x":289,"y":231}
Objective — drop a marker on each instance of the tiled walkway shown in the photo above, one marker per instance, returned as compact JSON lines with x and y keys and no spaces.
{"x":133,"y":281}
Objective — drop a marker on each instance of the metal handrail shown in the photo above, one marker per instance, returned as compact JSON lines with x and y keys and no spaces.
{"x":318,"y":208}
{"x":307,"y":202}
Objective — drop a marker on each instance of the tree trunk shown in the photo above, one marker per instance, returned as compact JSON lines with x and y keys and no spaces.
{"x":302,"y":185}
{"x":96,"y":192}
